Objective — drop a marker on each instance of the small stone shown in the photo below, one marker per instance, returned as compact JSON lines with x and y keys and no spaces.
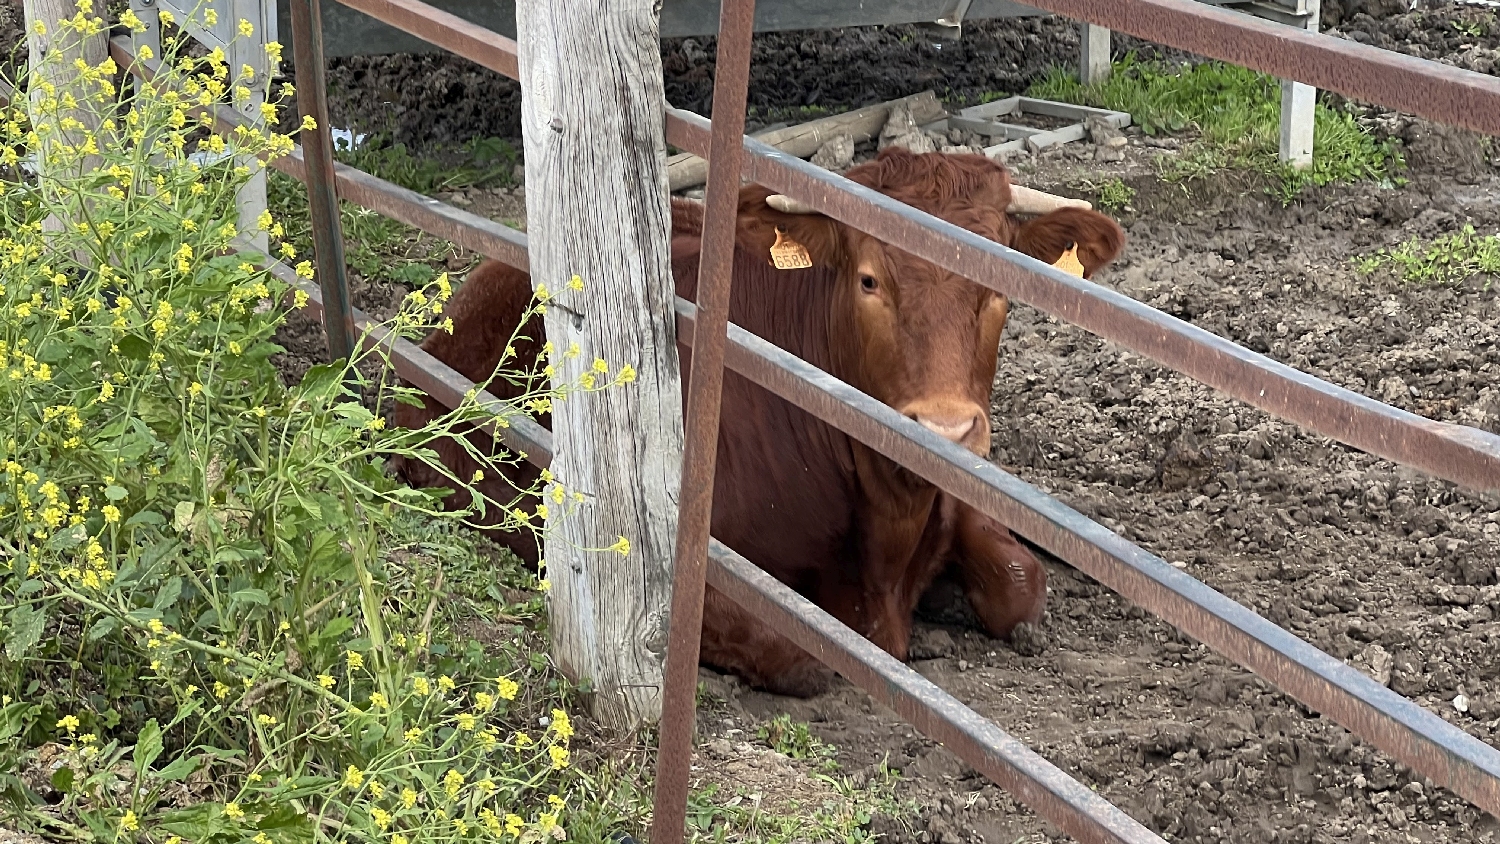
{"x":1461,"y":703}
{"x":1100,"y":132}
{"x":901,"y":131}
{"x":836,"y":154}
{"x":1380,"y":662}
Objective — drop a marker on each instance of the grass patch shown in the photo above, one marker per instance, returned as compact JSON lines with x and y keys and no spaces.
{"x":1236,"y":114}
{"x":379,"y":248}
{"x":1450,"y":259}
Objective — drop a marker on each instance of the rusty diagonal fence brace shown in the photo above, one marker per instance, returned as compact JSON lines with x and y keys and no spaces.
{"x":1397,"y":725}
{"x":701,"y":419}
{"x":322,"y":197}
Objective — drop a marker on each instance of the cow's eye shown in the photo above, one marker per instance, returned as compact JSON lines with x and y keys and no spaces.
{"x":868,"y":283}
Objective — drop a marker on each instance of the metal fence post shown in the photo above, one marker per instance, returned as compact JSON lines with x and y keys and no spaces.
{"x":715,"y":271}
{"x":322,"y":197}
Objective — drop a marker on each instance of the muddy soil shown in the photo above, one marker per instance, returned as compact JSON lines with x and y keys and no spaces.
{"x":422,"y":100}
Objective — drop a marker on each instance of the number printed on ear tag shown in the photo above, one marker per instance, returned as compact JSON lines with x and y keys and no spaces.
{"x":1069,"y":262}
{"x":788,"y":254}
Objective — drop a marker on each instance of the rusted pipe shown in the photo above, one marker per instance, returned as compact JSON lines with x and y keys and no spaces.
{"x":1405,"y":83}
{"x":322,"y":196}
{"x":701,"y":420}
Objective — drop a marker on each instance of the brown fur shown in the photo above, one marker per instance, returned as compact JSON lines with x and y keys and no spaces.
{"x":835,"y":520}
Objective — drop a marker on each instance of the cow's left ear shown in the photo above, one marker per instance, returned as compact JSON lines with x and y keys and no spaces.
{"x":1046,"y":238}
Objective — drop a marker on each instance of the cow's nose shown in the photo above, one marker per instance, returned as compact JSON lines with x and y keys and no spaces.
{"x":950,"y":428}
{"x":957,"y":420}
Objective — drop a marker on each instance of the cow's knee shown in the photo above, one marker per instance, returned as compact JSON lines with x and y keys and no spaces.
{"x":1005,"y":583}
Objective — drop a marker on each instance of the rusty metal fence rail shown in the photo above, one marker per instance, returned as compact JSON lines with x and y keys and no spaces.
{"x":1467,"y":456}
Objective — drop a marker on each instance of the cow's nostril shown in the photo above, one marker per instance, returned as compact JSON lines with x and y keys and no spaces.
{"x":954,"y":429}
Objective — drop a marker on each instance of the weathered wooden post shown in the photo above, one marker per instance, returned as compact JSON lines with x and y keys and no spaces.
{"x":1299,"y":102}
{"x":46,"y":38}
{"x":596,"y":207}
{"x":1093,"y":53}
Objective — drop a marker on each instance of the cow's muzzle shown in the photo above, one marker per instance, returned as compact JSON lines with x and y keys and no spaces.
{"x":964,"y":423}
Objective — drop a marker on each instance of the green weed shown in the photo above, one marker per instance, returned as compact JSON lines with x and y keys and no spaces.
{"x":795,"y":740}
{"x":1115,"y":195}
{"x":1450,"y":259}
{"x":1236,"y":115}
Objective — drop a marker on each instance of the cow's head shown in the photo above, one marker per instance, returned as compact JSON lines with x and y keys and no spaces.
{"x":919,"y":338}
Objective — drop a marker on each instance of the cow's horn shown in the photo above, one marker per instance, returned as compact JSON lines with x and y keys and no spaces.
{"x":1028,"y":201}
{"x":787,"y":205}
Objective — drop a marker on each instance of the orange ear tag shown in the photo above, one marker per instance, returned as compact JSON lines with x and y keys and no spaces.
{"x":1069,"y":262}
{"x":788,"y":254}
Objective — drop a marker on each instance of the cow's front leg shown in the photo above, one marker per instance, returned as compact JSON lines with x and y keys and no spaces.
{"x":901,"y":551}
{"x":1005,"y":583}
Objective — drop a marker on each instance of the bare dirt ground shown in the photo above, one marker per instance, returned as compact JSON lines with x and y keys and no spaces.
{"x":1378,"y":565}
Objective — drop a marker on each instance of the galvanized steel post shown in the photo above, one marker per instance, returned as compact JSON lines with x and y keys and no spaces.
{"x":322,"y":197}
{"x":715,"y":265}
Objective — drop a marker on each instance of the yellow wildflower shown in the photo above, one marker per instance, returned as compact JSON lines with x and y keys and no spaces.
{"x":452,"y":782}
{"x":561,"y":725}
{"x":507,"y":688}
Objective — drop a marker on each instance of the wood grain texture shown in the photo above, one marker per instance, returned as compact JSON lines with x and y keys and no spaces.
{"x":61,"y":48}
{"x":597,"y":206}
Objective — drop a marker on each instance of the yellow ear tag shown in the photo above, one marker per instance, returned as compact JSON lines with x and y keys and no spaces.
{"x":788,"y":254}
{"x":1069,"y":262}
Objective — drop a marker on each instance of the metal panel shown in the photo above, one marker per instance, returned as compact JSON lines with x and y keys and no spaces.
{"x":350,"y":33}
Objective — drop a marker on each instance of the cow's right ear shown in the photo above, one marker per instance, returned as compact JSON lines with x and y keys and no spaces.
{"x":1099,"y":239}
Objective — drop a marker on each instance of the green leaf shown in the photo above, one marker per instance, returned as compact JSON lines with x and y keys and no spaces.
{"x":62,"y":779}
{"x":26,"y":623}
{"x":134,"y":347}
{"x":322,"y":381}
{"x":170,"y":592}
{"x":182,"y":515}
{"x":103,"y":627}
{"x":251,"y":596}
{"x":146,"y":517}
{"x":335,"y":628}
{"x":148,"y":746}
{"x":13,"y":719}
{"x":196,"y":823}
{"x":181,"y":768}
{"x":290,"y":823}
{"x":115,"y":493}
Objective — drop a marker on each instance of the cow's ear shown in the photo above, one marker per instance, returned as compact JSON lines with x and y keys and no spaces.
{"x":788,"y":241}
{"x":1098,"y":238}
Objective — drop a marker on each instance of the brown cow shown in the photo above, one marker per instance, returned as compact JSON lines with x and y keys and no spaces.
{"x":832,"y":518}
